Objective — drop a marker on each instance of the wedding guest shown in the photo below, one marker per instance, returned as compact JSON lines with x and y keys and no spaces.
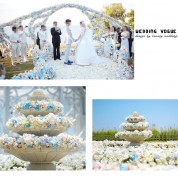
{"x":124,"y":50}
{"x":130,"y":40}
{"x":14,"y":39}
{"x":107,"y":43}
{"x":114,"y":36}
{"x":56,"y":40}
{"x":43,"y":36}
{"x":1,"y":56}
{"x":23,"y":43}
{"x":38,"y":40}
{"x":2,"y":72}
{"x":132,"y":49}
{"x":118,"y":44}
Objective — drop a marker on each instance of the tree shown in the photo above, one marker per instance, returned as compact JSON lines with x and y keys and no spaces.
{"x":130,"y":19}
{"x":117,"y":11}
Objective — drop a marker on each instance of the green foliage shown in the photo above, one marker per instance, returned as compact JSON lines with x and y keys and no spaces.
{"x":117,"y":11}
{"x":158,"y":135}
{"x":130,"y":19}
{"x":104,"y":135}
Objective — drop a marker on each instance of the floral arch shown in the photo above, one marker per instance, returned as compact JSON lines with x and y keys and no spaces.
{"x":96,"y":19}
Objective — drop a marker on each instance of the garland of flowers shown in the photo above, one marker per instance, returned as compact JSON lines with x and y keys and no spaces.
{"x":30,"y":141}
{"x":39,"y":106}
{"x":93,"y":15}
{"x":49,"y":121}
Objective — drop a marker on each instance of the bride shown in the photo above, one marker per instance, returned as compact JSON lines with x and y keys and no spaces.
{"x":85,"y":52}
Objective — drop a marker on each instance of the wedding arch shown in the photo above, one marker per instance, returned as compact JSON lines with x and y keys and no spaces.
{"x":96,"y":18}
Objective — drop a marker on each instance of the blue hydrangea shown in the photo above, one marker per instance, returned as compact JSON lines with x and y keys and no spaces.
{"x":123,"y":167}
{"x":134,"y":156}
{"x":27,"y":125}
{"x":56,"y":144}
{"x":42,"y":142}
{"x":49,"y":126}
{"x":37,"y":107}
{"x":14,"y":122}
{"x":27,"y":105}
{"x":50,"y":106}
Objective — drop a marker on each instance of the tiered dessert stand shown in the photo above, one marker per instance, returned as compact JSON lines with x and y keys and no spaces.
{"x":136,"y":130}
{"x":39,"y":123}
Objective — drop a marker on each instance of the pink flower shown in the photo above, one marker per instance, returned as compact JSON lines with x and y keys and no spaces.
{"x":97,"y":166}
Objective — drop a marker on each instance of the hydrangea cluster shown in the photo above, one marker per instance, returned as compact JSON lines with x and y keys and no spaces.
{"x":30,"y":141}
{"x":135,"y":119}
{"x":9,"y":162}
{"x":49,"y":121}
{"x":74,"y":161}
{"x":124,"y":71}
{"x":39,"y":106}
{"x":135,"y":133}
{"x":135,"y":126}
{"x":118,"y":155}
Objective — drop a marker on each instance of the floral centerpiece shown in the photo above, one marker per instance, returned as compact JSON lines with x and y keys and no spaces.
{"x":40,"y":123}
{"x":135,"y":129}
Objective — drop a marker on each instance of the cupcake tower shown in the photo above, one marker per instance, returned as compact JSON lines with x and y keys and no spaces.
{"x":136,"y":130}
{"x":39,"y":123}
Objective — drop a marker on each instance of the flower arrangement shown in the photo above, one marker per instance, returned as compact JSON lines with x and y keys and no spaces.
{"x":42,"y":141}
{"x":39,"y":106}
{"x":118,"y":155}
{"x":135,"y":126}
{"x":42,"y":69}
{"x":74,"y":161}
{"x":49,"y":121}
{"x":135,"y":130}
{"x":30,"y":141}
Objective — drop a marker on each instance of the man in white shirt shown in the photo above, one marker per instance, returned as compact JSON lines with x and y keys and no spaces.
{"x":14,"y":39}
{"x":68,"y":41}
{"x":23,"y":43}
{"x":42,"y":36}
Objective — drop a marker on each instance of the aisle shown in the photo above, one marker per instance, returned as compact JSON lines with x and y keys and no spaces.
{"x":105,"y":70}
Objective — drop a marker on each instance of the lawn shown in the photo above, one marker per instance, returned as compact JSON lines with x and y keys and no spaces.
{"x":14,"y":70}
{"x":158,"y":135}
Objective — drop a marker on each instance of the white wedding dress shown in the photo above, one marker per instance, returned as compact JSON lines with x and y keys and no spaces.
{"x":85,"y":51}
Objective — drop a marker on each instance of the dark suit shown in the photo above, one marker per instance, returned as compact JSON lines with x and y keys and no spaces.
{"x":130,"y":43}
{"x":38,"y":40}
{"x":56,"y":40}
{"x":119,"y":40}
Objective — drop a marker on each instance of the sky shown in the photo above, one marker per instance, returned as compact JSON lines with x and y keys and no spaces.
{"x":109,"y":114}
{"x":9,"y":11}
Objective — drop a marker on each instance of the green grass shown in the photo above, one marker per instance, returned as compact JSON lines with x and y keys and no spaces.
{"x":158,"y":135}
{"x":14,"y":70}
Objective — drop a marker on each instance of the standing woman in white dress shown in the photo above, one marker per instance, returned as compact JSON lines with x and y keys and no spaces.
{"x":107,"y":43}
{"x":125,"y":44}
{"x":114,"y":36}
{"x":85,"y":51}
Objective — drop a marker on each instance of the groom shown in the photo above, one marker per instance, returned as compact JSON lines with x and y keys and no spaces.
{"x":68,"y":41}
